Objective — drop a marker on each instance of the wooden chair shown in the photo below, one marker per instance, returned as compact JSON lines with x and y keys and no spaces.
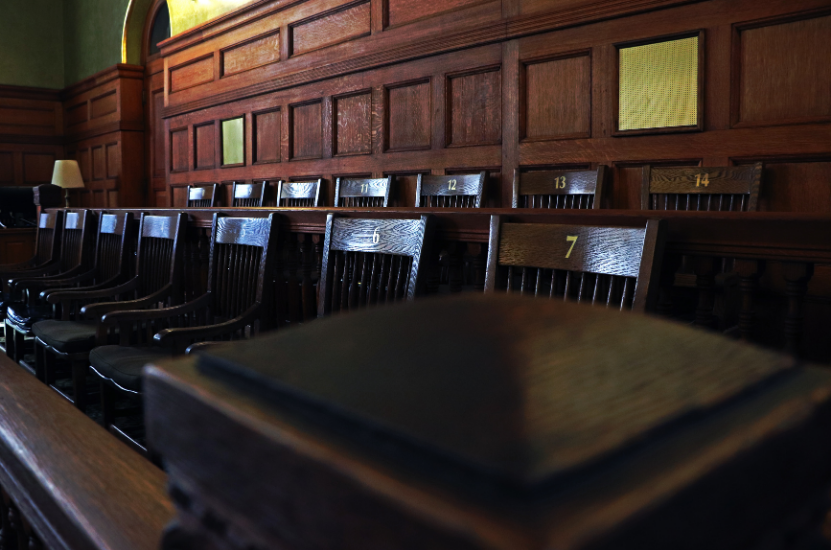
{"x":47,"y":251}
{"x":615,"y":266}
{"x":458,"y":191}
{"x":370,"y":261}
{"x":241,"y":262}
{"x":70,"y":337}
{"x":372,"y":193}
{"x":299,"y":193}
{"x":559,"y":188}
{"x":202,"y":195}
{"x":726,"y":189}
{"x":248,"y":195}
{"x":77,"y":241}
{"x":157,"y":281}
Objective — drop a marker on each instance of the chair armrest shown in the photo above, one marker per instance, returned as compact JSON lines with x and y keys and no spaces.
{"x":175,"y":337}
{"x":109,"y":283}
{"x":78,"y":294}
{"x":95,"y":311}
{"x":49,"y":282}
{"x":18,"y":266}
{"x":120,"y":316}
{"x":40,"y":271}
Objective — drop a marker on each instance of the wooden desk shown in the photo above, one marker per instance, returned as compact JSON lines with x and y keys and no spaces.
{"x":16,"y":245}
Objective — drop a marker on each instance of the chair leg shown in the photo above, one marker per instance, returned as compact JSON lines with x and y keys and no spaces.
{"x":19,"y":345}
{"x":9,"y":333}
{"x":107,"y":405}
{"x":79,"y":384}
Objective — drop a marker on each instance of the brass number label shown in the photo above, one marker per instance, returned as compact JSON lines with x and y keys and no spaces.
{"x":699,"y":182}
{"x":560,"y":183}
{"x":376,"y":238}
{"x":573,"y":240}
{"x":451,"y":185}
{"x":364,"y":187}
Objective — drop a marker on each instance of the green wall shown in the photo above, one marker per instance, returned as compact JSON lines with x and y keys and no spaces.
{"x":92,"y":36}
{"x":31,"y":43}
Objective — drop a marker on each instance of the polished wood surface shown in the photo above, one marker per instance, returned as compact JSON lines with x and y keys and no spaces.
{"x":472,"y":432}
{"x":76,"y":485}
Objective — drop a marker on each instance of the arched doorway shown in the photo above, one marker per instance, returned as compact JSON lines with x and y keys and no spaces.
{"x":156,"y":29}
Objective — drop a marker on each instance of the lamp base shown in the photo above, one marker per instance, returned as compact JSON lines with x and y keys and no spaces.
{"x":66,"y":197}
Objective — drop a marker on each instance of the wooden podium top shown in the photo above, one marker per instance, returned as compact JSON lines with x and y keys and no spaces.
{"x":495,"y":423}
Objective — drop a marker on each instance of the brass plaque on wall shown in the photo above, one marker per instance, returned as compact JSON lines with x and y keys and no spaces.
{"x":659,"y":85}
{"x":233,"y":141}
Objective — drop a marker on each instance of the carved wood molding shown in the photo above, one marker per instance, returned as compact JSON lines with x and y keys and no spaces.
{"x":479,"y":36}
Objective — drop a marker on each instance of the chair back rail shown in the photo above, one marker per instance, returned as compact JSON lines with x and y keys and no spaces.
{"x":611,"y":266}
{"x":298,"y":193}
{"x":114,"y":233}
{"x":48,"y":237}
{"x":721,"y":189}
{"x":363,"y":193}
{"x":450,"y":191}
{"x":159,"y":252}
{"x":202,"y":195}
{"x":370,"y":261}
{"x":248,"y":195}
{"x":567,"y":189}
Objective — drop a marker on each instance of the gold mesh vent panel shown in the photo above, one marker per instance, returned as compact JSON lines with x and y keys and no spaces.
{"x":659,"y":85}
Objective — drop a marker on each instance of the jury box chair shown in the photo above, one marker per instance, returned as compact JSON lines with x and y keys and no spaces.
{"x":450,"y":191}
{"x":559,"y":189}
{"x":615,"y":267}
{"x":299,"y":193}
{"x":363,"y":192}
{"x":156,"y":282}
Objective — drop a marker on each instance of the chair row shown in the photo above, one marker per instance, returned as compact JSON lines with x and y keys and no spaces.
{"x":107,"y":315}
{"x":734,"y":188}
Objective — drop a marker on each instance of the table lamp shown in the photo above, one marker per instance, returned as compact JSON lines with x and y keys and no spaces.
{"x":67,"y":174}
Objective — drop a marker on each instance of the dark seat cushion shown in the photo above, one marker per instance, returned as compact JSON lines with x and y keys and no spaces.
{"x":122,"y":364}
{"x":23,"y":316}
{"x":66,"y":336}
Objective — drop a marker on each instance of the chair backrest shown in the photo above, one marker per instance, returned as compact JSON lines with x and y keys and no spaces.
{"x":114,"y":232}
{"x":248,"y":195}
{"x":726,"y":189}
{"x":242,"y":251}
{"x":299,"y":193}
{"x":459,"y":191}
{"x":202,"y":195}
{"x":612,"y":266}
{"x":48,"y":245}
{"x":559,"y":188}
{"x":77,"y":239}
{"x":369,"y":261}
{"x":373,"y":193}
{"x":159,"y":253}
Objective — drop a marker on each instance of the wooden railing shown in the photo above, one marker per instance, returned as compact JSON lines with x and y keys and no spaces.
{"x":764,"y":277}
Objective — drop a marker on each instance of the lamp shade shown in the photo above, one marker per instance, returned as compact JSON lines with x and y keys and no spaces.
{"x":67,"y":174}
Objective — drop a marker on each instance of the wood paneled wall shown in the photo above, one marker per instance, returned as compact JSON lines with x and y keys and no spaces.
{"x":374,"y":87}
{"x":31,"y":125}
{"x":98,"y":122}
{"x":104,"y":129}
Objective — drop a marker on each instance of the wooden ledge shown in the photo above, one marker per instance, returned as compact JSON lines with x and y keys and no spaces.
{"x":77,"y":485}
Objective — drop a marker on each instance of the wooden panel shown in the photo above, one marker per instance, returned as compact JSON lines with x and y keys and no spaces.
{"x":251,"y":54}
{"x":179,"y":150}
{"x":353,"y":128}
{"x":85,"y":162}
{"x":796,"y":187}
{"x":205,"y":145}
{"x":113,"y":160}
{"x":77,"y":114}
{"x":158,"y":135}
{"x":99,"y":163}
{"x":784,"y":71}
{"x":330,"y":28}
{"x":104,"y":104}
{"x":192,"y":74}
{"x":404,"y":11}
{"x":37,"y":168}
{"x":408,"y":116}
{"x":267,"y":137}
{"x":475,"y":105}
{"x":557,"y":99}
{"x":18,"y":116}
{"x":6,"y":168}
{"x":306,"y":133}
